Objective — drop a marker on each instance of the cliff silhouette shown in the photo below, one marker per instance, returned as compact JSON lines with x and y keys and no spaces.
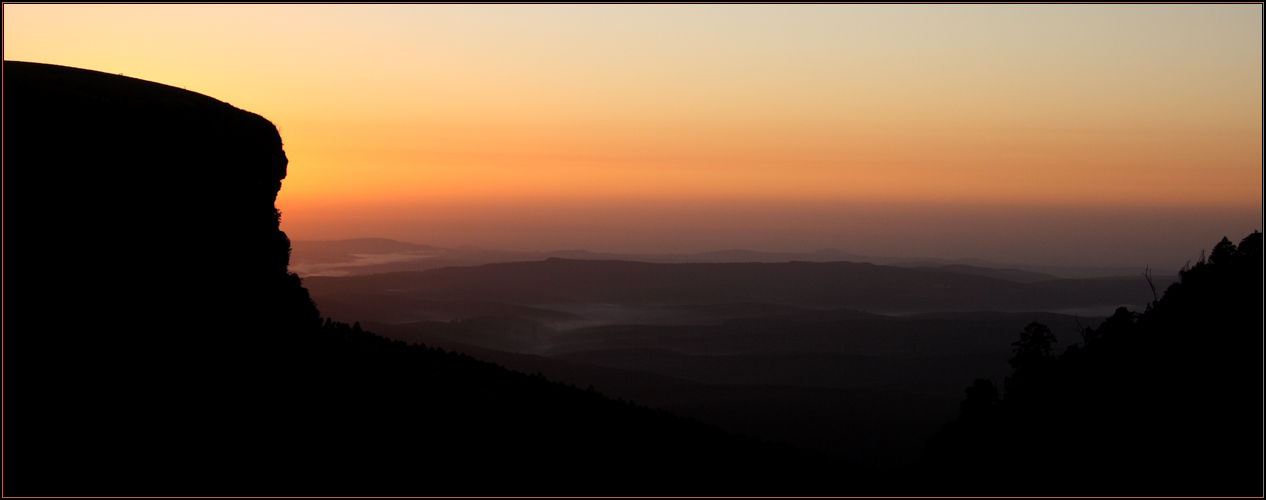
{"x":98,"y":366}
{"x":154,"y":379}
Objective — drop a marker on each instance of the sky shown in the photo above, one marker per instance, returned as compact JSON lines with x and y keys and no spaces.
{"x":1108,"y":135}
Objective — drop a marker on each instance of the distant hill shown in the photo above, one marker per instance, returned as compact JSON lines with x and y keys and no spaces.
{"x":860,"y":286}
{"x":379,"y":255}
{"x":1016,"y":275}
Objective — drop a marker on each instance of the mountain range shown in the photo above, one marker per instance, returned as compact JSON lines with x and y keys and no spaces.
{"x":382,"y":255}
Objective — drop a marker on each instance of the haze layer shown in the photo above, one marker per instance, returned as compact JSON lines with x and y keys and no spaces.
{"x":1045,"y":134}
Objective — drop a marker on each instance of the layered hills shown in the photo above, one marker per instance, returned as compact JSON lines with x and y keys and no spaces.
{"x":784,"y":351}
{"x":381,"y":255}
{"x":862,"y":286}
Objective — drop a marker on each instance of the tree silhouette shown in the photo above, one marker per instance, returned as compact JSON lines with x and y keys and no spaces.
{"x":1033,"y":348}
{"x":1164,"y":402}
{"x":1031,"y":356}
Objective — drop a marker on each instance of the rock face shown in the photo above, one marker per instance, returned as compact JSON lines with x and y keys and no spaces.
{"x":106,"y":172}
{"x":144,"y":178}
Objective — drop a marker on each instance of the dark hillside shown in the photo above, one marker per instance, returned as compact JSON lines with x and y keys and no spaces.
{"x":153,"y":381}
{"x":1165,"y":402}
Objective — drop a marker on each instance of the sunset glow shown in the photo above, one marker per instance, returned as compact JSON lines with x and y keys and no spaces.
{"x":675,"y":128}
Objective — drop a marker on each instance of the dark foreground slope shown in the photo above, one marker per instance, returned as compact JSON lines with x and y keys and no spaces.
{"x":1167,"y":402}
{"x":154,"y":381}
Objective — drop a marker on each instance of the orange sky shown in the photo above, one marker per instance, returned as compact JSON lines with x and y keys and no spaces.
{"x":488,"y":124}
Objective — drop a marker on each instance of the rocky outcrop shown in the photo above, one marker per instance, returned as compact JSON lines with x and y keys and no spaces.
{"x":143,"y":179}
{"x":145,"y":273}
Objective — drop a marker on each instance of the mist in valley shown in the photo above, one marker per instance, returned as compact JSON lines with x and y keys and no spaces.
{"x":859,"y":360}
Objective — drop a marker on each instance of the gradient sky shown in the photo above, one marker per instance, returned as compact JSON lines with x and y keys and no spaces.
{"x":1041,"y":134}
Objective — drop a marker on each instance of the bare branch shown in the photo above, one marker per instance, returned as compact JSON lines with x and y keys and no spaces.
{"x":1081,"y":330}
{"x":1147,"y":273}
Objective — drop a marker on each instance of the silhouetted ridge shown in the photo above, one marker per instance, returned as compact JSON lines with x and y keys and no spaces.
{"x":1163,"y":402}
